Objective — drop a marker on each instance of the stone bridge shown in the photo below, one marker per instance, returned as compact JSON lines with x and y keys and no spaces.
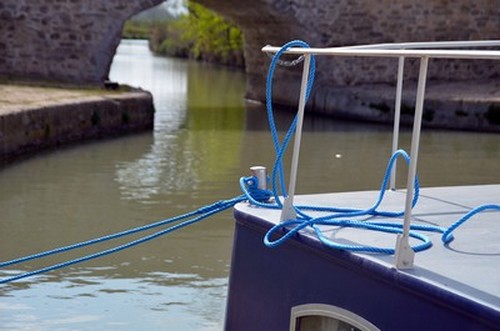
{"x":63,"y":40}
{"x":75,"y":40}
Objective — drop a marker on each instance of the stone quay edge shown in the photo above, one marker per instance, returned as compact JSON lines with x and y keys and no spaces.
{"x":35,"y":118}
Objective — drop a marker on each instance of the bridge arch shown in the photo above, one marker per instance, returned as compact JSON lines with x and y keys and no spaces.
{"x":325,"y":23}
{"x":75,"y":40}
{"x":71,"y":41}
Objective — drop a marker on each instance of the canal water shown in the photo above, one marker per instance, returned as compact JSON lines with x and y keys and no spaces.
{"x":205,"y":137}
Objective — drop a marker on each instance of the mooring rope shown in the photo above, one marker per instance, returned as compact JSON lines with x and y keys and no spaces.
{"x":202,"y":213}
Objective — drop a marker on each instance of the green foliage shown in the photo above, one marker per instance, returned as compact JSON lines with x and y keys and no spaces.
{"x":136,"y":30}
{"x":201,"y":35}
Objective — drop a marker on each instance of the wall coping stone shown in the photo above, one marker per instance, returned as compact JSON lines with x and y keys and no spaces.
{"x":35,"y":118}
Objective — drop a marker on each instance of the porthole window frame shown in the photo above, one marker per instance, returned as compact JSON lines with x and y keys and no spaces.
{"x":318,"y":309}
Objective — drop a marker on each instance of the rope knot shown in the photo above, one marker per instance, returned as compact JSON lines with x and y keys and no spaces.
{"x":254,"y":191}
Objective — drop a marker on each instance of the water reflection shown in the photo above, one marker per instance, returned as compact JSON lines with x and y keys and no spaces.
{"x":89,"y":303}
{"x":166,"y":80}
{"x":82,"y":192}
{"x":179,"y":161}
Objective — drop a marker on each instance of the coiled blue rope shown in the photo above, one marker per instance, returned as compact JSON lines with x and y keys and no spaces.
{"x":304,"y":220}
{"x":342,"y":217}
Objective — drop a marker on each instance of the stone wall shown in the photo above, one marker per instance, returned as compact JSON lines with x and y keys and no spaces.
{"x":75,"y":40}
{"x":62,"y":40}
{"x":38,"y":123}
{"x":325,"y":23}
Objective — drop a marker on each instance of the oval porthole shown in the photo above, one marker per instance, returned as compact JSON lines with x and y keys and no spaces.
{"x":321,"y":317}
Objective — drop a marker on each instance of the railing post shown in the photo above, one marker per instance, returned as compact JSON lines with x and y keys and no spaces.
{"x":404,"y":252}
{"x":288,"y":212}
{"x":397,"y":118}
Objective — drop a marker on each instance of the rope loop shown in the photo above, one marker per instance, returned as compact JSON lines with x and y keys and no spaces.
{"x":291,"y":228}
{"x":447,"y":236}
{"x":349,"y":218}
{"x":278,"y":177}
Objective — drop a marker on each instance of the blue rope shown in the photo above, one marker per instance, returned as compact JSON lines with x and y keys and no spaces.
{"x":251,"y":191}
{"x":256,"y":197}
{"x":447,"y":236}
{"x":203,"y":213}
{"x":96,"y":240}
{"x":280,"y":148}
{"x":203,"y":210}
{"x":304,"y":220}
{"x":341,"y":217}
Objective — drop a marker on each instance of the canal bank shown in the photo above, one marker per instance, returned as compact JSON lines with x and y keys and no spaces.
{"x":34,"y":118}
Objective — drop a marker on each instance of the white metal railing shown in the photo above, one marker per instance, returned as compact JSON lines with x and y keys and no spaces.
{"x":421,"y":50}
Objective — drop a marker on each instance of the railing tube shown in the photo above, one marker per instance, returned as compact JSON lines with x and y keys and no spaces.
{"x":397,"y":118}
{"x":404,"y":252}
{"x":288,"y":212}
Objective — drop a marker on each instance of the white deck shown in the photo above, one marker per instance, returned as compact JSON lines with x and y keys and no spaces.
{"x":469,"y":266}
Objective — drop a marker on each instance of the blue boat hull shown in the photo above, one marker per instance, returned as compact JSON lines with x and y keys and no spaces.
{"x":266,"y":283}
